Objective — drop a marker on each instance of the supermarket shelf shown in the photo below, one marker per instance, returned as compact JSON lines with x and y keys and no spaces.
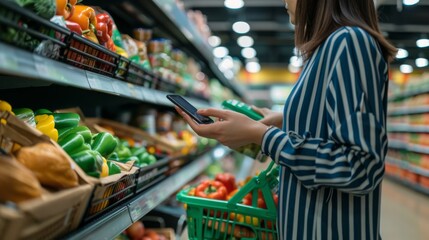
{"x":113,"y":223}
{"x":175,"y":20}
{"x":407,"y":128}
{"x":36,"y":69}
{"x":408,"y":146}
{"x":409,"y":111}
{"x":406,"y":165}
{"x":408,"y":94}
{"x":411,"y":185}
{"x":166,"y":15}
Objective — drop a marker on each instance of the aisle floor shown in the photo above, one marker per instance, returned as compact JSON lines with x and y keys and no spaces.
{"x":405,"y":213}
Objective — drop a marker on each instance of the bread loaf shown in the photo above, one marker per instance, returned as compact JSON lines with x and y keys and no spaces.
{"x":17,"y":183}
{"x":50,"y":165}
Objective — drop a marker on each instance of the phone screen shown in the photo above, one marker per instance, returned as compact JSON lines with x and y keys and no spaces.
{"x":189,"y":109}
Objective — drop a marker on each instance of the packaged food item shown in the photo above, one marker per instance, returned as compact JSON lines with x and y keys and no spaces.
{"x":142,"y":34}
{"x":252,"y":150}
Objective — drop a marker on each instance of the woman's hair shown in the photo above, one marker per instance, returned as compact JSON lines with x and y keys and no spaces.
{"x":315,"y":20}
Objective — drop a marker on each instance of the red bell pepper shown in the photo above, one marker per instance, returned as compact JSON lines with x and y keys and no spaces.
{"x":104,"y":27}
{"x":211,"y":189}
{"x":74,"y":27}
{"x":228,"y":180}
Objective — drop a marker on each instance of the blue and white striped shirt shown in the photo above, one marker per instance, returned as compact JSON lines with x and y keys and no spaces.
{"x":333,"y":143}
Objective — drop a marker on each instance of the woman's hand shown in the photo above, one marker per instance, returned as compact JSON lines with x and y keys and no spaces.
{"x":232,"y":129}
{"x":270,"y":117}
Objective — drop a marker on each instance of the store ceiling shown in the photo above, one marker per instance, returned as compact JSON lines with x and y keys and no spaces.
{"x":273,"y":34}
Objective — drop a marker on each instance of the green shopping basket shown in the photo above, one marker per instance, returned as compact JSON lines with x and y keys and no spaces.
{"x":216,"y":219}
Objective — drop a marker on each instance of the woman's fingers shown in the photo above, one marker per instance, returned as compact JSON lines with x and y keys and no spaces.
{"x":262,"y":111}
{"x":221,"y":114}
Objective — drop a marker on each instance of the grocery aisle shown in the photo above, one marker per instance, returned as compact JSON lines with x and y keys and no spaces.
{"x":405,"y":213}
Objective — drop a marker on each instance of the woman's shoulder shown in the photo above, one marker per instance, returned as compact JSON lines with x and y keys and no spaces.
{"x":352,"y":35}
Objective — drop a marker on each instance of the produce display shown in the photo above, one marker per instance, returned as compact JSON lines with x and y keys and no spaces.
{"x":98,"y":154}
{"x":137,"y":231}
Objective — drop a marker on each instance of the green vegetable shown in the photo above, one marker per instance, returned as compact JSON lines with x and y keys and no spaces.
{"x":89,"y":161}
{"x":94,"y":174}
{"x":105,"y":143}
{"x":42,"y":111}
{"x":113,"y":168}
{"x":114,"y":156}
{"x":43,"y":8}
{"x":123,"y":152}
{"x":137,"y":151}
{"x":26,"y":115}
{"x":146,"y":158}
{"x":132,"y":158}
{"x":81,"y":130}
{"x":72,"y":143}
{"x":65,"y":120}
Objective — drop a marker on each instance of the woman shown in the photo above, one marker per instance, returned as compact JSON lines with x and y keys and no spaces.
{"x":332,"y":143}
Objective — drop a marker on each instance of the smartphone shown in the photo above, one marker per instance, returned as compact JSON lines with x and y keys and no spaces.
{"x":189,"y":109}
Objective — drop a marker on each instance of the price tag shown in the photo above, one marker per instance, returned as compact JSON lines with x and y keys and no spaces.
{"x":100,"y":82}
{"x":149,"y":96}
{"x":8,"y":61}
{"x":45,"y":70}
{"x":135,"y":91}
{"x":121,"y":88}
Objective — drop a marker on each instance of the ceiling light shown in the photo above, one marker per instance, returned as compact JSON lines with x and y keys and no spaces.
{"x":245,"y":41}
{"x":220,"y":52}
{"x":233,"y":4}
{"x":402,"y":53}
{"x":248,"y":52}
{"x":241,"y":27}
{"x":422,"y":43}
{"x":229,"y":74}
{"x":226,"y":64}
{"x":410,"y":2}
{"x":253,"y":67}
{"x":422,"y":62}
{"x":406,"y":68}
{"x":214,"y":41}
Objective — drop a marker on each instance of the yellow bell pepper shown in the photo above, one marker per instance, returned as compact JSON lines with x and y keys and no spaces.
{"x":104,"y":169}
{"x":46,"y":124}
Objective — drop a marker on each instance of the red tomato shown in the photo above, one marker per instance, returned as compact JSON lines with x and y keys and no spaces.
{"x":136,"y":231}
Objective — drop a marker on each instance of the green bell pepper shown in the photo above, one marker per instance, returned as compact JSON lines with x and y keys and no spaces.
{"x":72,"y":143}
{"x":146,"y":158}
{"x":123,"y":151}
{"x":42,"y":111}
{"x":81,"y":130}
{"x":89,"y":161}
{"x":94,"y":174}
{"x":114,"y":156}
{"x":125,"y":160}
{"x":104,"y":143}
{"x":113,"y":168}
{"x":64,"y":120}
{"x":137,"y":151}
{"x":26,"y":115}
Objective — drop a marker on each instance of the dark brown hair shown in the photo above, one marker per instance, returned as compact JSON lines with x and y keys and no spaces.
{"x":315,"y":20}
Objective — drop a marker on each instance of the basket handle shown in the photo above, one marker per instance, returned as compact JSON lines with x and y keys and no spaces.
{"x":265,"y":181}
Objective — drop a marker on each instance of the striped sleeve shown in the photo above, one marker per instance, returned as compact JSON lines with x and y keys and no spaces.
{"x":352,"y":158}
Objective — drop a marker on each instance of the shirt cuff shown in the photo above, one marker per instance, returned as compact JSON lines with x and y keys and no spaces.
{"x":269,"y":146}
